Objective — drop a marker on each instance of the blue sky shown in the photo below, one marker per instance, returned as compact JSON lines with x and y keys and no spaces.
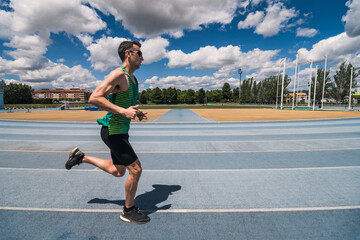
{"x":186,"y":44}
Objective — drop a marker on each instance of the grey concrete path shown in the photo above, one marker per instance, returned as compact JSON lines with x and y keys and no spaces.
{"x":181,"y":115}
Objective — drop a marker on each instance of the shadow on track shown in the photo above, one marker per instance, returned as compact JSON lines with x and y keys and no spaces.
{"x":148,"y":200}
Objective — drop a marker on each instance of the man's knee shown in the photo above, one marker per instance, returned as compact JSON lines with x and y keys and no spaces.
{"x":135,"y":169}
{"x":118,"y":174}
{"x":118,"y":171}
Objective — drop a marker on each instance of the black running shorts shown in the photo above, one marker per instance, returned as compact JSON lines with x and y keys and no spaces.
{"x":122,"y":152}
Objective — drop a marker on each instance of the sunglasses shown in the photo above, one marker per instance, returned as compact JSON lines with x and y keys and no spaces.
{"x":138,"y":52}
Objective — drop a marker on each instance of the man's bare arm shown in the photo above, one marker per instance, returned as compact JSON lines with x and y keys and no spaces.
{"x":106,"y":87}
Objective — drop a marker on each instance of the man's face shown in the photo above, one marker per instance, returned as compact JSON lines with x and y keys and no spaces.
{"x":136,"y":56}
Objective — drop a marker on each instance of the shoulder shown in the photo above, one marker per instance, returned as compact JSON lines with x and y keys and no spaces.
{"x":118,"y":72}
{"x":117,"y":75}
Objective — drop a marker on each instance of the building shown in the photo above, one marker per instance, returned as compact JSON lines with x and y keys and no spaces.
{"x":301,"y":97}
{"x":73,"y":94}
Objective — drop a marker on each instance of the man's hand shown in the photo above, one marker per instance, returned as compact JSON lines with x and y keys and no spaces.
{"x":131,"y":112}
{"x":142,"y":115}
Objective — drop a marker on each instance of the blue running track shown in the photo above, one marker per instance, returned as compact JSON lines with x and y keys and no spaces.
{"x":201,"y":180}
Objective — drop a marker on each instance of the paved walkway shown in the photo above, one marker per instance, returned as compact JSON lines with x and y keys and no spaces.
{"x":181,"y":115}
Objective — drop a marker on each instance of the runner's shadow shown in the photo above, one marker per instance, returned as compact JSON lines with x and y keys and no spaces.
{"x":148,"y":200}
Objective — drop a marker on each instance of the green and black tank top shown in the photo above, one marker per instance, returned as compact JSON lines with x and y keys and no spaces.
{"x":117,"y":123}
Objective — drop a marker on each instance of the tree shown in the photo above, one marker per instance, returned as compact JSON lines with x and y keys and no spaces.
{"x":142,"y":97}
{"x":255,"y":92}
{"x":268,"y":90}
{"x":201,"y":96}
{"x":319,"y":84}
{"x":164,"y":96}
{"x":18,"y":93}
{"x":157,"y":96}
{"x":226,"y":93}
{"x":245,"y":93}
{"x":172,"y":95}
{"x":341,"y":85}
{"x":236,"y":95}
{"x":181,"y":95}
{"x":213,"y":96}
{"x":190,"y":96}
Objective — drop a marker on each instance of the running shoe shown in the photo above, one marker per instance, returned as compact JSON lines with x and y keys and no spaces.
{"x":134,"y":216}
{"x":75,"y":157}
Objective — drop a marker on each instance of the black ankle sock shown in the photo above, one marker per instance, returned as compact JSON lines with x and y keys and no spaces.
{"x":128,"y":209}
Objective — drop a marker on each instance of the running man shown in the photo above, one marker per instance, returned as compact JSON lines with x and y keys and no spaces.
{"x":118,"y":94}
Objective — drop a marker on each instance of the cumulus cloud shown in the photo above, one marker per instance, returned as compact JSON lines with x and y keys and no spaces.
{"x":252,"y":20}
{"x":5,"y":24}
{"x":54,"y":16}
{"x":167,"y":17}
{"x":334,"y":47}
{"x":48,"y":74}
{"x":352,"y":18}
{"x":306,"y":32}
{"x":186,"y":82}
{"x":154,"y":49}
{"x":104,"y":52}
{"x":225,"y":59}
{"x":28,"y":27}
{"x":205,"y":58}
{"x":276,"y":19}
{"x":268,"y":24}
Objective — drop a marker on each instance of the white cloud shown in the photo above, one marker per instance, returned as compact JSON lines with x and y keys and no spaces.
{"x":5,"y":24}
{"x":54,"y":16}
{"x":186,"y":82}
{"x":352,"y":18}
{"x":104,"y":53}
{"x":205,"y":58}
{"x":27,"y":46}
{"x":154,"y":49}
{"x":306,"y":32}
{"x":86,"y":39}
{"x":226,"y":59}
{"x":49,"y":74}
{"x":167,"y":17}
{"x":252,"y":20}
{"x":28,"y":27}
{"x":334,"y":47}
{"x":275,"y":19}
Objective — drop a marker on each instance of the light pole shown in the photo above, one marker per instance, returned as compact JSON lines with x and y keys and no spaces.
{"x":2,"y":86}
{"x":323,"y":90}
{"x":240,"y":72}
{"x":351,"y":80}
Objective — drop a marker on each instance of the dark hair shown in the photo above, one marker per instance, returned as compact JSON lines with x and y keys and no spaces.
{"x":126,"y":45}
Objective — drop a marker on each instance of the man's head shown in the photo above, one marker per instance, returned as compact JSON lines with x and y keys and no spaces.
{"x":127,"y":45}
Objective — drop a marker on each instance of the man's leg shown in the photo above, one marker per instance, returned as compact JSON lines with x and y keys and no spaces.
{"x":77,"y":157}
{"x":130,"y":212}
{"x":106,"y":165}
{"x":132,"y":183}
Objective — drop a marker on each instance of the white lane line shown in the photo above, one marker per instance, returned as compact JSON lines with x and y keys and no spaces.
{"x":175,"y":152}
{"x":237,"y":210}
{"x":191,"y":142}
{"x":187,"y":170}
